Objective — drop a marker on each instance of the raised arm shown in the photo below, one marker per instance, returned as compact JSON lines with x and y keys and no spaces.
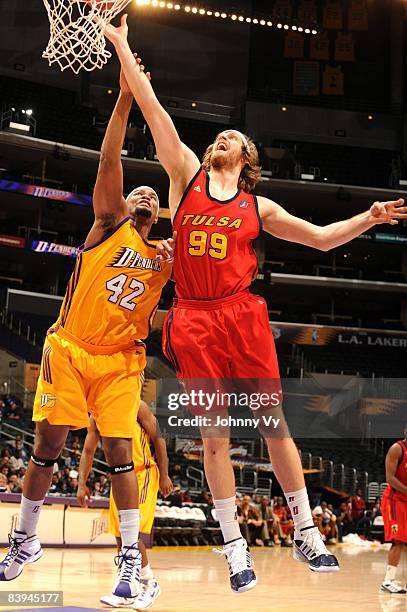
{"x":278,"y":222}
{"x":109,"y":204}
{"x":178,"y":160}
{"x":150,"y":424}
{"x":392,"y":460}
{"x":85,"y":464}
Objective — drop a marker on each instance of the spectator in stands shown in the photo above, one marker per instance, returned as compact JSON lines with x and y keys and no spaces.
{"x":4,"y":488}
{"x":5,"y":470}
{"x":286,"y":522}
{"x":204,"y":497}
{"x":12,"y":413}
{"x":344,"y":520}
{"x":64,"y":488}
{"x":55,"y":483}
{"x":358,"y":506}
{"x":175,"y":498}
{"x":65,"y":474}
{"x":251,"y":516}
{"x":104,"y":486}
{"x":244,"y":529}
{"x":271,"y":532}
{"x":176,"y":474}
{"x":16,"y":461}
{"x":376,"y":509}
{"x":14,"y":484}
{"x":96,"y":490}
{"x":73,"y":487}
{"x":18,"y":446}
{"x":325,"y":520}
{"x":75,"y":444}
{"x":186,"y":496}
{"x":5,"y":458}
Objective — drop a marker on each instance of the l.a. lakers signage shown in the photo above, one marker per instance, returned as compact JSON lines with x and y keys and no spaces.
{"x":319,"y":335}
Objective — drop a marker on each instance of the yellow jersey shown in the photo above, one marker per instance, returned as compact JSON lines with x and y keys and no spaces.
{"x":142,"y":456}
{"x":114,"y":290}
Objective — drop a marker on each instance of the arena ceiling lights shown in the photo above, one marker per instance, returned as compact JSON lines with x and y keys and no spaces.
{"x":196,"y":10}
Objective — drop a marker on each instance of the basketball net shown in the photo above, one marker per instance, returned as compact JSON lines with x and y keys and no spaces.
{"x":76,"y":32}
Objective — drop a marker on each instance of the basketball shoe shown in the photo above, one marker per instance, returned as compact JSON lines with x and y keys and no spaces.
{"x":117,"y":602}
{"x":242,"y":576}
{"x":128,"y":563}
{"x":150,"y":590}
{"x":309,"y":548}
{"x":22,"y":550}
{"x":393,"y":587}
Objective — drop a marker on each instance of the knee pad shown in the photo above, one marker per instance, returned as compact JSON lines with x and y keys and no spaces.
{"x":121,"y":469}
{"x":44,"y":463}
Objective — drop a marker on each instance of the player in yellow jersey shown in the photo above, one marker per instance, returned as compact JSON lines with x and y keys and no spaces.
{"x":152,"y":477}
{"x":94,"y":354}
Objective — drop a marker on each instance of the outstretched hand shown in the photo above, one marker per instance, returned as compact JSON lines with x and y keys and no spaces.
{"x":116,"y":34}
{"x":388,"y":212}
{"x":166,"y":248}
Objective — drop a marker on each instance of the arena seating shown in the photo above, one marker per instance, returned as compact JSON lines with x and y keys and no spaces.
{"x":347,"y":165}
{"x":189,"y":525}
{"x":59,"y":115}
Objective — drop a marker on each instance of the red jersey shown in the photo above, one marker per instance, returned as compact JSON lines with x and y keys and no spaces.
{"x":214,"y":257}
{"x":401,"y":474}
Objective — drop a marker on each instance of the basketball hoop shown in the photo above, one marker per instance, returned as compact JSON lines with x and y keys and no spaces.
{"x":76,"y":32}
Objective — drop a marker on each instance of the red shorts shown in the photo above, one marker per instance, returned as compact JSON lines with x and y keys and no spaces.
{"x":394,"y":513}
{"x":222,"y":340}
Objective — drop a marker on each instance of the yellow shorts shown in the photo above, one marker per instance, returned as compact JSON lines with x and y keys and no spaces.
{"x":77,"y":378}
{"x":148,"y":480}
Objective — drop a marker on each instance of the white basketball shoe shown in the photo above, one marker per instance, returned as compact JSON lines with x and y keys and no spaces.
{"x":309,"y":548}
{"x":150,"y":590}
{"x":128,"y":563}
{"x":22,"y":550}
{"x":241,"y":574}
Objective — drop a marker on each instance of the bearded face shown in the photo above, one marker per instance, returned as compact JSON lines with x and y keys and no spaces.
{"x":227,"y":152}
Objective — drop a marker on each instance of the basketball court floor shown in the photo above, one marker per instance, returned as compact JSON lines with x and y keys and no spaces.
{"x":196,"y":580}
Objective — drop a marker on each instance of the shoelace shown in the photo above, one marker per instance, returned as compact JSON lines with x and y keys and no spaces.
{"x":237,"y":557}
{"x":14,"y":549}
{"x":126,"y":565}
{"x":315,"y":541}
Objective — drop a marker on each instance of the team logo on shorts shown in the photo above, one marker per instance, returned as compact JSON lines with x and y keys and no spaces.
{"x":395,"y":528}
{"x":48,"y":401}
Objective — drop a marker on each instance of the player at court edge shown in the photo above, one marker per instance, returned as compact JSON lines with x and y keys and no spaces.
{"x":394,"y":511}
{"x":216,"y":219}
{"x":152,"y":476}
{"x":94,"y":354}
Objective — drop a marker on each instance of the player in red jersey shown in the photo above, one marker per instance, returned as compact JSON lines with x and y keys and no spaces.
{"x":394,"y":511}
{"x":217,"y":329}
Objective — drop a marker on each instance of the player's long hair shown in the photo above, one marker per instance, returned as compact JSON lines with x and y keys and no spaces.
{"x":251,"y":171}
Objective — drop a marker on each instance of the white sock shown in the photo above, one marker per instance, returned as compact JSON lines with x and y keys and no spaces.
{"x":146,"y":572}
{"x":391,"y":571}
{"x":129,"y":521}
{"x":227,"y":517}
{"x":298,"y":503}
{"x":29,"y":515}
